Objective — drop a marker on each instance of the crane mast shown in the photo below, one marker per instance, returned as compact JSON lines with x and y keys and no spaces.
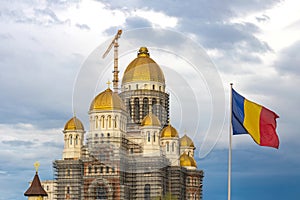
{"x":114,"y":44}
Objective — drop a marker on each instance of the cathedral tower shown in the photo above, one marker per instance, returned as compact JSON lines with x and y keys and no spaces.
{"x":170,"y":142}
{"x":143,"y":89}
{"x":187,"y":145}
{"x":150,"y":132}
{"x":73,"y":139}
{"x":108,"y":120}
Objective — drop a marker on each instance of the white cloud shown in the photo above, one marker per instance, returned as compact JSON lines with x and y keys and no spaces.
{"x":159,"y":19}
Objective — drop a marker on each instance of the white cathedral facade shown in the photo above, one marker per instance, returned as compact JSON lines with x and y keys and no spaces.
{"x":130,"y":150}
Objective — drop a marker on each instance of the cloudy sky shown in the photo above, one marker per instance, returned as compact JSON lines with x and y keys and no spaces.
{"x":254,"y":44}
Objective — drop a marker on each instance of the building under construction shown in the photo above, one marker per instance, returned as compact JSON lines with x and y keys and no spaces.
{"x":130,"y":151}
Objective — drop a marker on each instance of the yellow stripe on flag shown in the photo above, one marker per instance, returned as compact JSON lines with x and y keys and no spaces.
{"x":252,"y":119}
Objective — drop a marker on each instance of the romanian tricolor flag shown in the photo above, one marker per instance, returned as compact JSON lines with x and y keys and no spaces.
{"x":256,"y":120}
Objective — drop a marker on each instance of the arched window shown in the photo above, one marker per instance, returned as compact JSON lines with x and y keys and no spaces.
{"x":159,"y":88}
{"x":153,"y":87}
{"x":129,"y":106}
{"x":154,"y":102}
{"x":173,"y":146}
{"x":129,"y":87}
{"x":137,"y":109}
{"x":145,"y":106}
{"x":102,"y":135}
{"x":107,"y":169}
{"x":109,"y":121}
{"x":154,"y":135}
{"x":96,"y":170}
{"x":147,"y":192}
{"x":145,"y":86}
{"x":90,"y":170}
{"x":188,"y":180}
{"x":137,"y":86}
{"x":101,"y":169}
{"x":68,"y":190}
{"x":160,"y":109}
{"x":148,"y":136}
{"x":108,"y":134}
{"x":102,"y":121}
{"x":76,"y":140}
{"x":70,"y":139}
{"x":115,"y":123}
{"x":96,"y":122}
{"x":168,"y":148}
{"x":100,"y":193}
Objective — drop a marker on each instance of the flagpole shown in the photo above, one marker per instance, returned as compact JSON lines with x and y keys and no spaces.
{"x":230,"y":144}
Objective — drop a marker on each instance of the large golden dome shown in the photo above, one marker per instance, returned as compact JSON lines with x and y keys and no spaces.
{"x":187,"y":161}
{"x":186,"y":141}
{"x":150,"y":120}
{"x":107,"y":100}
{"x":73,"y":124}
{"x":169,"y":132}
{"x":143,"y":68}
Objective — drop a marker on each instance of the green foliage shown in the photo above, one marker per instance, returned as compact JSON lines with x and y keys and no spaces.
{"x":167,"y":196}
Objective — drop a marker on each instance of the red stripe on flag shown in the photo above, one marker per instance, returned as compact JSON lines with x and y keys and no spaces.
{"x":268,"y":136}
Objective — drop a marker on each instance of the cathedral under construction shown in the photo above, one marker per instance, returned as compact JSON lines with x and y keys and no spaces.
{"x":131,"y":151}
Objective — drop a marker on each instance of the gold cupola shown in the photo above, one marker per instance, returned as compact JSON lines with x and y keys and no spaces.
{"x":169,"y":132}
{"x":107,"y":100}
{"x":187,"y":161}
{"x":74,"y":124}
{"x":143,"y":68}
{"x":150,"y":120}
{"x":186,"y":141}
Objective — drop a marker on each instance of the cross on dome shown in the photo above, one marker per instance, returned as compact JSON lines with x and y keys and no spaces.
{"x":108,"y":84}
{"x":36,"y":166}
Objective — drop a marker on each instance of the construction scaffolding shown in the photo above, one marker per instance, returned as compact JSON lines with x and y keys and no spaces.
{"x":68,"y":179}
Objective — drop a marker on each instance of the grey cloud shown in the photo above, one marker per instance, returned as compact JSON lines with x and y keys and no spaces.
{"x":133,"y":22}
{"x":58,"y":145}
{"x":263,"y":18}
{"x":228,"y":36}
{"x":130,"y":23}
{"x":289,"y":61}
{"x":211,"y":22}
{"x":49,"y":14}
{"x":42,"y":16}
{"x":83,"y":26}
{"x":27,"y":86}
{"x":203,"y":10}
{"x":18,"y":143}
{"x":6,"y":36}
{"x":62,"y":3}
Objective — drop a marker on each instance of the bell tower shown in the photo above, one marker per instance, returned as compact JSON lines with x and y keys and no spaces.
{"x":73,"y":139}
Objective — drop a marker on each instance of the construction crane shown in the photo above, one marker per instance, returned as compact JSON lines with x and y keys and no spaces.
{"x":114,"y":43}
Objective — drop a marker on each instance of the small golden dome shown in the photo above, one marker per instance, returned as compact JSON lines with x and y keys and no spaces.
{"x":150,"y":120}
{"x":143,"y":68}
{"x":168,"y":132}
{"x":107,"y":100}
{"x":186,"y":141}
{"x":73,"y":124}
{"x":187,"y":161}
